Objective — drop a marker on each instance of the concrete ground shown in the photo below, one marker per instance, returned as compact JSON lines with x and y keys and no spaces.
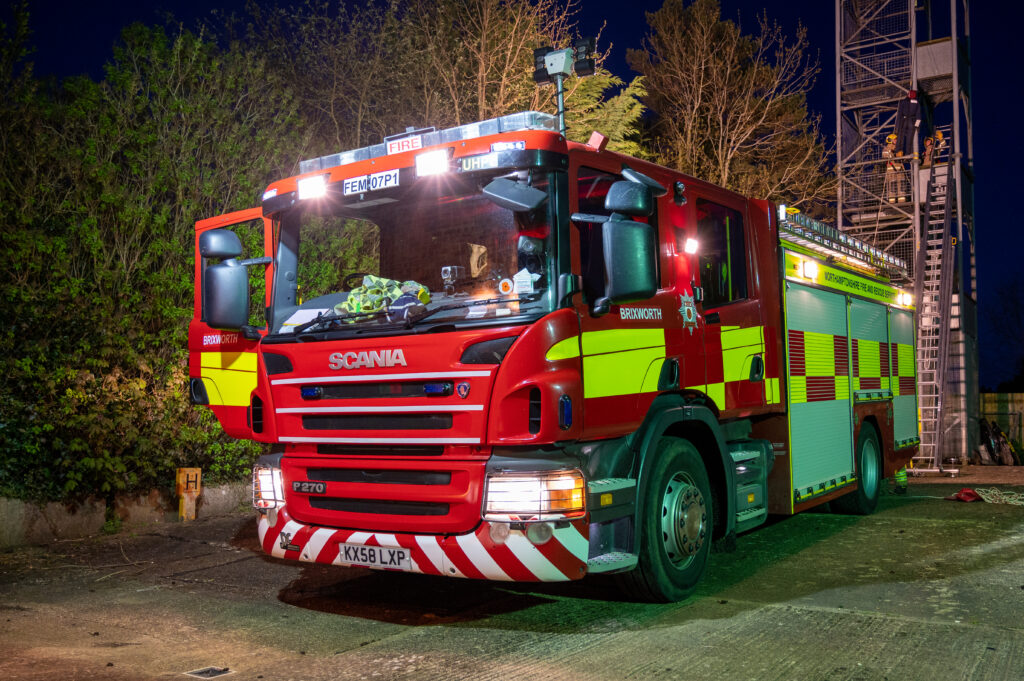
{"x":926,"y":589}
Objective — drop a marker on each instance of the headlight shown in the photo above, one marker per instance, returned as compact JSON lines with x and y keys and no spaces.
{"x":546,"y":495}
{"x":267,"y":487}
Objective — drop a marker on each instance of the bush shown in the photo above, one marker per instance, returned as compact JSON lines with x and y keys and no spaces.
{"x":97,"y":292}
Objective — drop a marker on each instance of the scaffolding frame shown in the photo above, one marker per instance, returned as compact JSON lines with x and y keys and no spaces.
{"x":921,"y":213}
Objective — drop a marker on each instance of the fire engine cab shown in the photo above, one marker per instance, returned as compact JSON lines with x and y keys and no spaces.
{"x":489,"y":352}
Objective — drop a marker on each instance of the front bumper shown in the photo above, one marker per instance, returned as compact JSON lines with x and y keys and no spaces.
{"x":474,"y":555}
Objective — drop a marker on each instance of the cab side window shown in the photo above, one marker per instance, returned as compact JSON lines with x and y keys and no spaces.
{"x":591,"y":188}
{"x":722,"y":259}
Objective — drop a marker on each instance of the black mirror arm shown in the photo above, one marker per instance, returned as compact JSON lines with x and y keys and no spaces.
{"x":250,"y":333}
{"x":266,"y":260}
{"x":587,"y":217}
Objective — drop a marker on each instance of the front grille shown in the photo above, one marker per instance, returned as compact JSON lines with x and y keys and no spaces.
{"x":380,"y":477}
{"x":380,"y":507}
{"x":386,"y":494}
{"x":381,"y":450}
{"x":378,"y":422}
{"x":362,"y":391}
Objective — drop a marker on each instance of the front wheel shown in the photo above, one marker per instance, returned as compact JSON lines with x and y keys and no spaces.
{"x":675,"y":525}
{"x":864,"y":499}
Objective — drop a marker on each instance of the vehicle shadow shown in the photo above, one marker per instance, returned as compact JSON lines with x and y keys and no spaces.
{"x":787,"y":559}
{"x":400,"y":598}
{"x":424,"y":600}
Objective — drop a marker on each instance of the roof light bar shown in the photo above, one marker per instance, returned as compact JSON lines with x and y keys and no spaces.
{"x":524,"y":120}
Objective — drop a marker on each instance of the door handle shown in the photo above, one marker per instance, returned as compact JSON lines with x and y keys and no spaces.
{"x":757,"y":369}
{"x":712,"y":318}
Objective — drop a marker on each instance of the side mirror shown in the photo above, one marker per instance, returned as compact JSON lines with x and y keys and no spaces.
{"x":630,"y":254}
{"x":226,"y":294}
{"x":219,"y":243}
{"x":630,"y":198}
{"x":515,"y":196}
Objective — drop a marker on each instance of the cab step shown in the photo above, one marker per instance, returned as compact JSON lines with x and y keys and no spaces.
{"x":616,"y":561}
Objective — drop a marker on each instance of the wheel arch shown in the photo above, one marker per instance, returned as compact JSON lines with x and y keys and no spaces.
{"x":862,"y":499}
{"x":879,"y":416}
{"x":672,"y":416}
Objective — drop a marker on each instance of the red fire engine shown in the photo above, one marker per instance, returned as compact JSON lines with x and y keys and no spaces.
{"x":544,"y":360}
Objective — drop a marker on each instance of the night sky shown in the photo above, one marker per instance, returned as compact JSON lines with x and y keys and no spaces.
{"x":76,"y":37}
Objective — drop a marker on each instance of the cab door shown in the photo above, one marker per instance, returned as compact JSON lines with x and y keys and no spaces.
{"x":223,"y":364}
{"x":681,"y":244}
{"x":733,"y":315}
{"x":624,"y":352}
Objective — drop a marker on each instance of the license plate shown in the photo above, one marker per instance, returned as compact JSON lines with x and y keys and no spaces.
{"x":374,"y":556}
{"x":307,"y":487}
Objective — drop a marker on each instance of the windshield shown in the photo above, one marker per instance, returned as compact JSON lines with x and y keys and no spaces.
{"x":436,"y":252}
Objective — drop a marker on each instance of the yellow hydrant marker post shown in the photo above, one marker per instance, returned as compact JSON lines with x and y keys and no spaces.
{"x":187,"y":486}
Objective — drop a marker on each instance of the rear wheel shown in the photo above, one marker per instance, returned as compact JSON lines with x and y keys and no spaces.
{"x":675,"y":525}
{"x":864,"y":499}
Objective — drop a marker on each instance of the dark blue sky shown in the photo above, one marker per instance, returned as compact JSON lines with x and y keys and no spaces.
{"x":76,"y":37}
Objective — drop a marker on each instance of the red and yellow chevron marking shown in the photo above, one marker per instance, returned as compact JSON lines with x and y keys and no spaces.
{"x":229,"y":377}
{"x":738,"y":345}
{"x":870,"y":364}
{"x":818,"y":367}
{"x":474,"y":556}
{"x":902,"y":364}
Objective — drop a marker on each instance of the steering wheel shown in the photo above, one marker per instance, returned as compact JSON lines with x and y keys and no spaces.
{"x":353,"y":280}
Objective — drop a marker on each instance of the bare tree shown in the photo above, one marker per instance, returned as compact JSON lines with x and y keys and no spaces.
{"x":482,"y":50}
{"x":369,"y":71}
{"x":731,"y":108}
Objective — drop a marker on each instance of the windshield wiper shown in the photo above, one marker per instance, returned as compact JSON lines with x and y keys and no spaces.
{"x":409,"y":323}
{"x":326,"y":319}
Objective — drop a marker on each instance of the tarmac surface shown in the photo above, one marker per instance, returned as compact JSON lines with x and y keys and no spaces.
{"x":925,"y":589}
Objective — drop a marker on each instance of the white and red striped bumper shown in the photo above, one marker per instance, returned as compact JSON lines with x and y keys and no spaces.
{"x":475,"y":555}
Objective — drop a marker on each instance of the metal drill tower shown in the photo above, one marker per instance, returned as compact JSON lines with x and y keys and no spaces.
{"x":916,"y":206}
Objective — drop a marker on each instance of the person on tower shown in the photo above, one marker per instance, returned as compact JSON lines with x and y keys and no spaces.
{"x":893,"y":170}
{"x":908,"y":120}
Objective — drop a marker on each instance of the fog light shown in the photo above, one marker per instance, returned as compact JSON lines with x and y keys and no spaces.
{"x":267,"y":487}
{"x":499,"y":532}
{"x":539,"y":533}
{"x":543,"y":495}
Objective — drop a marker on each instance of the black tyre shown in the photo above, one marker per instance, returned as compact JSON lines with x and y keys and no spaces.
{"x":675,"y":526}
{"x":864,"y":499}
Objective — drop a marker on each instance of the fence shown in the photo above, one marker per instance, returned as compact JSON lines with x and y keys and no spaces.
{"x":1007,"y":410}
